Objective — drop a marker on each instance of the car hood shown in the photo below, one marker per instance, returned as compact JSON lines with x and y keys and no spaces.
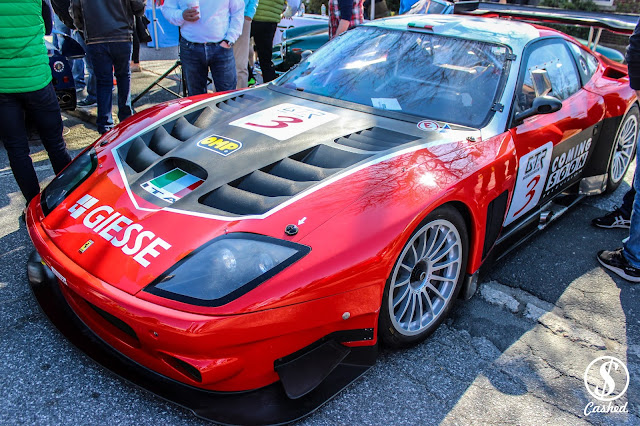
{"x":253,"y":161}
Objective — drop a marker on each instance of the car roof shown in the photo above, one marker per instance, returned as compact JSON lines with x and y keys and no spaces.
{"x":502,"y":31}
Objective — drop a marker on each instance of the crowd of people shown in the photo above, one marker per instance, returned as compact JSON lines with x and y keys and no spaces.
{"x":214,"y":38}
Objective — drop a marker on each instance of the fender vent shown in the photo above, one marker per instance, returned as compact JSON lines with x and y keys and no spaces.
{"x":264,"y":189}
{"x":375,"y":139}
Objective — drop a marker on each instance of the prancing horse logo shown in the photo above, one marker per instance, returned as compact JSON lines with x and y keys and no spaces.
{"x":85,"y":246}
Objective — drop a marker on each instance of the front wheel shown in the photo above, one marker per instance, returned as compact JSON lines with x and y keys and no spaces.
{"x":623,"y":149}
{"x":425,"y":279}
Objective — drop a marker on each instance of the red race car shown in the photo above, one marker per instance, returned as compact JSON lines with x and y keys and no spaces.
{"x":242,"y":254}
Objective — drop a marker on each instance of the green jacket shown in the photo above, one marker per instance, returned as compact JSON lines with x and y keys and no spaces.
{"x":268,"y":10}
{"x":24,"y":61}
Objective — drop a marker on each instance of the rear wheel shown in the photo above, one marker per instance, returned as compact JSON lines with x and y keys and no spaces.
{"x":425,"y":280}
{"x":623,"y":149}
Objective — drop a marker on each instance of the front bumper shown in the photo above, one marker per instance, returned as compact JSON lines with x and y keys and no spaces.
{"x":267,"y":405}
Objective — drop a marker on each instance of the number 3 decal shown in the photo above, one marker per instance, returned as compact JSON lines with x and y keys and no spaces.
{"x":280,"y":123}
{"x":532,"y":191}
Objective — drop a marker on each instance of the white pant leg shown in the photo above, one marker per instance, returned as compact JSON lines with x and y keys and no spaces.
{"x":241,"y":53}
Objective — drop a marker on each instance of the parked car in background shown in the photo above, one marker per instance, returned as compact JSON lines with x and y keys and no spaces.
{"x":61,"y":72}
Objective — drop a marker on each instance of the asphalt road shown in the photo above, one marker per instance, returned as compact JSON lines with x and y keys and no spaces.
{"x":514,"y":354}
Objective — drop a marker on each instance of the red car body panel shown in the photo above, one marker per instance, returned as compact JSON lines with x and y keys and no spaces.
{"x":107,"y":254}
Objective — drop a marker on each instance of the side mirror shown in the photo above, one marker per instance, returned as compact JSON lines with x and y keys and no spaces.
{"x":70,"y":48}
{"x":541,"y":105}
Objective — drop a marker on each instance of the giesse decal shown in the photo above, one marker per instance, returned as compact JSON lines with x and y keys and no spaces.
{"x":106,"y":222}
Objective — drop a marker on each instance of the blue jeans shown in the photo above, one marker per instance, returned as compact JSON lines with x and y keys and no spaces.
{"x":91,"y":78}
{"x":632,"y":245}
{"x":627,"y":201}
{"x":107,"y":59}
{"x":41,"y":108}
{"x":198,"y":58}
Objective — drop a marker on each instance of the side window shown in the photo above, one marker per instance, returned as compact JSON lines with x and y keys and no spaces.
{"x":586,"y":61}
{"x":554,"y":58}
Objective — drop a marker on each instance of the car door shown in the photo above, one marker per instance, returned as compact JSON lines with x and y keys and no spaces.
{"x":553,"y":148}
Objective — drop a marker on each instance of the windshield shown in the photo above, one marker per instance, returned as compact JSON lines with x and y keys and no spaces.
{"x":431,"y":76}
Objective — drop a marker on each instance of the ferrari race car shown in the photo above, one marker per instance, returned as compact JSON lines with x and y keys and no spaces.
{"x":242,"y":254}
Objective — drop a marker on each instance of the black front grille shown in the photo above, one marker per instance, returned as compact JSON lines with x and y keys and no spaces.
{"x":115,"y":321}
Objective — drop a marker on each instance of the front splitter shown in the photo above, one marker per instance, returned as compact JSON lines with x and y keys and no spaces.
{"x":267,"y":405}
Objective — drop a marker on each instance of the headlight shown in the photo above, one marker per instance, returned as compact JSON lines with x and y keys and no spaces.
{"x":226,"y":268}
{"x":68,"y":180}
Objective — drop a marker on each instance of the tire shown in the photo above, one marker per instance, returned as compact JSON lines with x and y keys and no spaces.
{"x":623,"y":149}
{"x":425,"y":280}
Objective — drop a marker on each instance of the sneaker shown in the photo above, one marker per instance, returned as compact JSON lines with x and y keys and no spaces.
{"x":86,"y":103}
{"x":614,"y":219}
{"x":135,"y":67}
{"x":615,"y":261}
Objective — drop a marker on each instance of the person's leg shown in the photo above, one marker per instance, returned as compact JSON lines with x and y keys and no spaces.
{"x":78,"y":66}
{"x":194,"y":67}
{"x":627,"y":201}
{"x":13,"y":134}
{"x":632,"y":245}
{"x":223,"y":68}
{"x":625,"y":261}
{"x":619,"y":217}
{"x":135,"y":54}
{"x":90,"y":76}
{"x":240,"y":54}
{"x":121,"y":55}
{"x":262,"y":33}
{"x":43,"y":111}
{"x":58,"y":25}
{"x":103,"y":70}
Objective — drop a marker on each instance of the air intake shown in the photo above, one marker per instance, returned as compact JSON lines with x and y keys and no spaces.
{"x":264,"y":189}
{"x":375,"y":139}
{"x":151,"y":147}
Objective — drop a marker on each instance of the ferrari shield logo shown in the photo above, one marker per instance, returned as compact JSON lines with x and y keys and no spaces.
{"x":85,"y":246}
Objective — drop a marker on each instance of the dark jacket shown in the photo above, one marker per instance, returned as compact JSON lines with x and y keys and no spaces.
{"x":106,"y":21}
{"x":61,"y":8}
{"x":633,"y":58}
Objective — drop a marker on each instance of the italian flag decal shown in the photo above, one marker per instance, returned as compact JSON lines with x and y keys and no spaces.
{"x":172,"y":185}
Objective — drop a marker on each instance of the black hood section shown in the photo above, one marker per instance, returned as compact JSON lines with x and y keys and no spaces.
{"x":263,"y":172}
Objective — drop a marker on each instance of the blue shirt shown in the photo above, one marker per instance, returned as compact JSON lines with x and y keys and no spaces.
{"x":250,"y":7}
{"x":219,"y":20}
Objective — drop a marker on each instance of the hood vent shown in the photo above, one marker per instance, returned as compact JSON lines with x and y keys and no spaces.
{"x":375,"y":139}
{"x":151,"y":147}
{"x":237,"y":104}
{"x":262,"y":190}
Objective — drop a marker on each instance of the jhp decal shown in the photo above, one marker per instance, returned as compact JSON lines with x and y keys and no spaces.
{"x":220,"y":145}
{"x":284,"y":121}
{"x":532,"y":173}
{"x":567,"y":165}
{"x":119,"y":230}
